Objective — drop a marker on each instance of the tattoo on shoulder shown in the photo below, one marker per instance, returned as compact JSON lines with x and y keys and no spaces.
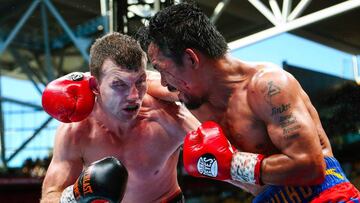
{"x":271,"y":91}
{"x":280,"y":109}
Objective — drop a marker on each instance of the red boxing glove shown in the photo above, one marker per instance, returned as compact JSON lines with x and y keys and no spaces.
{"x":69,"y":98}
{"x":208,"y":153}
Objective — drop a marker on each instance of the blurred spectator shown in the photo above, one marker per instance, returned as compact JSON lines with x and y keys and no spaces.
{"x":28,"y":165}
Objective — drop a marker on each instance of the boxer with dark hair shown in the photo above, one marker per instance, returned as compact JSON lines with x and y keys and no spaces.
{"x":278,"y":149}
{"x":100,"y":115}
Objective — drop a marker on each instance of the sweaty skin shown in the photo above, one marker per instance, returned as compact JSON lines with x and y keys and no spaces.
{"x":261,"y":108}
{"x":138,"y":139}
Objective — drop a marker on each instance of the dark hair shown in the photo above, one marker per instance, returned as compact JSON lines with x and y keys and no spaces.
{"x":182,"y":26}
{"x":123,"y":49}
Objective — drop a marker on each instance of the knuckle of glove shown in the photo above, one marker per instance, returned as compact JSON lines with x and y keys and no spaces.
{"x":69,"y":98}
{"x":105,"y":179}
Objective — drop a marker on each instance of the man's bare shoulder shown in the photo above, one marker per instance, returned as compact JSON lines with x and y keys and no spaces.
{"x":266,"y":76}
{"x":75,"y":132}
{"x":271,"y":86}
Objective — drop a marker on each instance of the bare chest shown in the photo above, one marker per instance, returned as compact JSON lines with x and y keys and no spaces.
{"x":144,"y":153}
{"x":244,"y":129}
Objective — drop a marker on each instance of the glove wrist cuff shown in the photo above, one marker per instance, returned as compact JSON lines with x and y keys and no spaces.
{"x":67,"y":196}
{"x":245,"y":167}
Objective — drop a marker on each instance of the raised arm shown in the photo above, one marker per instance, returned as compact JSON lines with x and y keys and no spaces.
{"x":275,"y":97}
{"x":158,"y":91}
{"x":65,"y":166}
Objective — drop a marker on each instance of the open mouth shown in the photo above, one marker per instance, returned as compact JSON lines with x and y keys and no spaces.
{"x":171,"y":88}
{"x":132,"y":108}
{"x":181,"y":97}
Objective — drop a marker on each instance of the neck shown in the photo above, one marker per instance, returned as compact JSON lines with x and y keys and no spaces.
{"x":226,"y":73}
{"x":111,"y":123}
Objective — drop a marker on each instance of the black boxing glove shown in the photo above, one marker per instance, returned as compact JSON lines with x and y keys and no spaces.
{"x":103,"y":181}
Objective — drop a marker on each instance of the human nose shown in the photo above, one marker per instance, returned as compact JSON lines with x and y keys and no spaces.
{"x":133,"y":93}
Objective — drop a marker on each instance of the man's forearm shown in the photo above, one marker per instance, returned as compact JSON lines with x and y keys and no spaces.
{"x":51,"y":197}
{"x":280,"y":169}
{"x":158,"y":91}
{"x":277,"y":169}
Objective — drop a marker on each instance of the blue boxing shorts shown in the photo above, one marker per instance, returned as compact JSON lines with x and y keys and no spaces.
{"x":336,"y":188}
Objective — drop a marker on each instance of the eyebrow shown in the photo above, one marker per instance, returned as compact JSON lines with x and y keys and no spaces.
{"x":117,"y":80}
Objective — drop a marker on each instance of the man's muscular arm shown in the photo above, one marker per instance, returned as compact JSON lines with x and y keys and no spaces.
{"x":65,"y":166}
{"x":275,"y":97}
{"x":158,"y":91}
{"x":176,"y":119}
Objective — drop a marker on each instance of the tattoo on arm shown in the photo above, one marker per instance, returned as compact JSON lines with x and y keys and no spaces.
{"x":271,"y":91}
{"x":287,"y":120}
{"x":289,"y":124}
{"x":280,"y":109}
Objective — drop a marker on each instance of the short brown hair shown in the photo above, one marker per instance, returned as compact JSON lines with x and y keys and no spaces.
{"x":123,"y":49}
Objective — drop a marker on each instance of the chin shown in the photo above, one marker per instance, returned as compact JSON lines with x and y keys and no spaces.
{"x":191,"y":102}
{"x":126,"y":117}
{"x":130,"y":117}
{"x":192,"y":105}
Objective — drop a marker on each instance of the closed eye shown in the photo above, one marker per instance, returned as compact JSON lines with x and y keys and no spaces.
{"x":140,"y":81}
{"x":118,"y":84}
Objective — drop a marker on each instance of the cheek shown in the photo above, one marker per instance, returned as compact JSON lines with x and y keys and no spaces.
{"x":190,"y":90}
{"x":109,"y":95}
{"x":105,"y":91}
{"x":142,"y":90}
{"x":173,"y":81}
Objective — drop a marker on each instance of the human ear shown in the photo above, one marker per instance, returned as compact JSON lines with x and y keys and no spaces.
{"x":94,"y":85}
{"x":191,"y":58}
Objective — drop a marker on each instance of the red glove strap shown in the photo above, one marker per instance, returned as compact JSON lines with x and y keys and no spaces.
{"x":258,"y":181}
{"x":245,"y":167}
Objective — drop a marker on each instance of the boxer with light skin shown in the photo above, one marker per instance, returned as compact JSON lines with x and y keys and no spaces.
{"x":145,"y":148}
{"x":279,"y":151}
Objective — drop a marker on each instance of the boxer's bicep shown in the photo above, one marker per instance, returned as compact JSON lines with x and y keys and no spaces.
{"x":289,"y":124}
{"x":158,"y":91}
{"x":277,"y":102}
{"x":65,"y":165}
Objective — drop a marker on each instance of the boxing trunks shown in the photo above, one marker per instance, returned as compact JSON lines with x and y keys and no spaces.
{"x":177,"y":197}
{"x":335,"y":189}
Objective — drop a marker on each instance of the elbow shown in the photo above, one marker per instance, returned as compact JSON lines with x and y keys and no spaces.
{"x":316,"y":168}
{"x":319,"y":175}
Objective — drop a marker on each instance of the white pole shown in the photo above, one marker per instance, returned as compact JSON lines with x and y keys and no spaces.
{"x":276,"y":10}
{"x":305,"y":20}
{"x":264,"y":10}
{"x":356,"y":69}
{"x":219,"y":9}
{"x":298,"y":9}
{"x":286,"y":9}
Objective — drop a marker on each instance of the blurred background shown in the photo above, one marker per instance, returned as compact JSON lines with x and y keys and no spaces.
{"x":317,"y":41}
